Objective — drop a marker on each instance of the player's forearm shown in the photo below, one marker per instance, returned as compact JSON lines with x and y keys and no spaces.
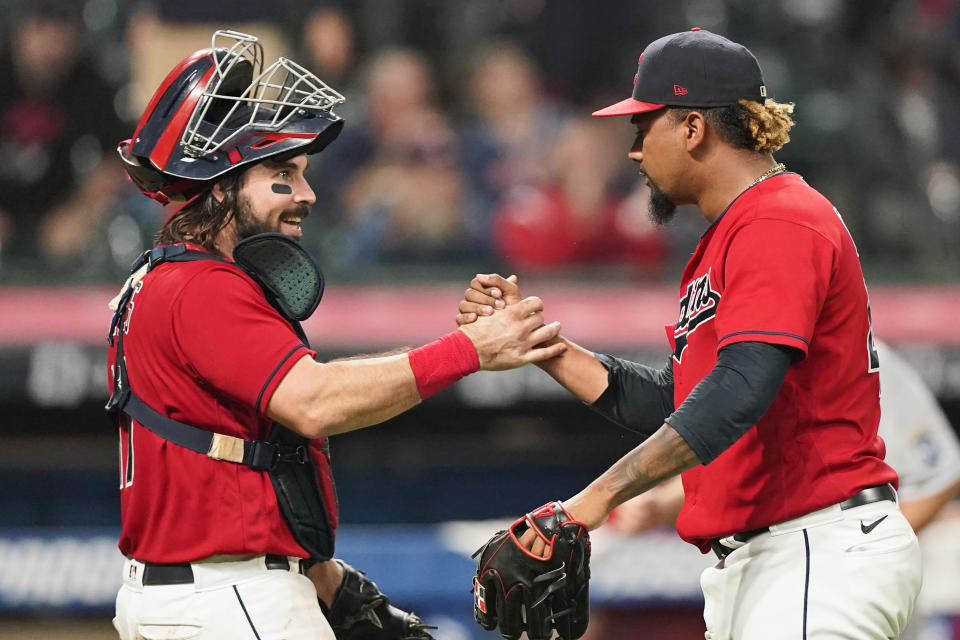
{"x":920,"y":512}
{"x":319,"y":400}
{"x":663,"y":455}
{"x":578,"y":370}
{"x":326,"y":578}
{"x":637,"y":397}
{"x":365,"y":392}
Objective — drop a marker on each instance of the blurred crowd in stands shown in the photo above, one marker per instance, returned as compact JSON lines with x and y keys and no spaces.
{"x":469,"y":144}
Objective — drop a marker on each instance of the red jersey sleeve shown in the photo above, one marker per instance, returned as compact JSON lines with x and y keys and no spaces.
{"x":232,"y":338}
{"x":776,"y":276}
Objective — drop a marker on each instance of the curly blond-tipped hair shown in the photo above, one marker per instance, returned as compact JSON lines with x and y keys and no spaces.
{"x":770,"y":123}
{"x":748,"y":124}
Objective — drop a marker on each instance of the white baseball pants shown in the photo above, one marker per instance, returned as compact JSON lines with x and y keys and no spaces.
{"x":237,"y":600}
{"x":852,"y":574}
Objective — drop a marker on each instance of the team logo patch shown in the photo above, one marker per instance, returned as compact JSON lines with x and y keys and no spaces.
{"x":698,"y":305}
{"x":479,"y":596}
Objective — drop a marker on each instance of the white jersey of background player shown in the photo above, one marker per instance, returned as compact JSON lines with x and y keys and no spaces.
{"x":921,"y":444}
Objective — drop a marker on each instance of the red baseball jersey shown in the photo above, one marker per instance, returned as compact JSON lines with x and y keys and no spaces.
{"x":204,"y":347}
{"x":779,"y":266}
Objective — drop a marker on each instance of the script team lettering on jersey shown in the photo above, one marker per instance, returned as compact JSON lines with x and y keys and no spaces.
{"x":698,"y":305}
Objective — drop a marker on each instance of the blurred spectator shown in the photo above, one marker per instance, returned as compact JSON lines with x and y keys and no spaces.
{"x":512,"y":128}
{"x":575,"y":217}
{"x":329,"y":45}
{"x":58,"y":130}
{"x":395,"y":84}
{"x":404,"y":196}
{"x":406,"y":206}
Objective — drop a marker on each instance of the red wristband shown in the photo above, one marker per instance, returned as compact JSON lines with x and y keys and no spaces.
{"x":440,"y":363}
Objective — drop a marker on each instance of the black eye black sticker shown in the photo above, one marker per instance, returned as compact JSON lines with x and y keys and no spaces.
{"x":281,"y":188}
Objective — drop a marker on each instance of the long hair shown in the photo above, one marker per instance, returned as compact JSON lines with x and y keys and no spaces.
{"x":201,"y":220}
{"x":748,"y":124}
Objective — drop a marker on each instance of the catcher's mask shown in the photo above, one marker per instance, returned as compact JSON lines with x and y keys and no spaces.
{"x":219,"y":110}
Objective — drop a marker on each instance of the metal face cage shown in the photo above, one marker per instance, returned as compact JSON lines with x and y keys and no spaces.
{"x":226,"y":111}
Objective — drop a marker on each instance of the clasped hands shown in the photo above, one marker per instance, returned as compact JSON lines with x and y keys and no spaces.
{"x":514,"y":336}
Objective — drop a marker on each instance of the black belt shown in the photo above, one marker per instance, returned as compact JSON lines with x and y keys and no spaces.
{"x":870,"y":494}
{"x":161,"y":574}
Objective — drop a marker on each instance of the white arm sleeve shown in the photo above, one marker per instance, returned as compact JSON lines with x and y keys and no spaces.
{"x":921,"y":444}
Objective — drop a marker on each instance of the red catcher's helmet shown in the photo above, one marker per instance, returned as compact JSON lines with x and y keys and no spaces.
{"x":218,"y":110}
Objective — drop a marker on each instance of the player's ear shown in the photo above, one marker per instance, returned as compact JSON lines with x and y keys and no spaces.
{"x":694,"y":127}
{"x":218,"y":192}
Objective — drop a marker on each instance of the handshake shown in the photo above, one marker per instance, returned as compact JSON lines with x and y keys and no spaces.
{"x":507,"y":331}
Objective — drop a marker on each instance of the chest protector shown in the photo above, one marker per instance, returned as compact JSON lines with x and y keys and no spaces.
{"x":300,"y":474}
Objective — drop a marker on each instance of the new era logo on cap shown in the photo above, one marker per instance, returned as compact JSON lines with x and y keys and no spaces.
{"x":694,"y":68}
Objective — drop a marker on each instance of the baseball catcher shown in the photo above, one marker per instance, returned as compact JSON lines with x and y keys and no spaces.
{"x":520,"y":591}
{"x":214,"y":379}
{"x":360,"y":612}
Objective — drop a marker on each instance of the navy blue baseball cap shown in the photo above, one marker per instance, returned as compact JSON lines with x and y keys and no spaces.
{"x":693,"y":68}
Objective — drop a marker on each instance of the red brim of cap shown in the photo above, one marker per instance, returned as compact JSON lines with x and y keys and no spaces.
{"x":627,"y":107}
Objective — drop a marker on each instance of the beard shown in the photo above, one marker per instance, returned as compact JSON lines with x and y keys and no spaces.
{"x":660,"y":207}
{"x":249,"y":225}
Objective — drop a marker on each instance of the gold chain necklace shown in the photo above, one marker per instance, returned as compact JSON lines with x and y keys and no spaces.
{"x":772,"y":171}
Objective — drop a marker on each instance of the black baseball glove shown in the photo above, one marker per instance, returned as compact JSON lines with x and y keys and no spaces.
{"x":552,"y":591}
{"x":360,"y":612}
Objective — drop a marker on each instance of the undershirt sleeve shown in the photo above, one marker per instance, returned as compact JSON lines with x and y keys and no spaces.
{"x":637,"y":397}
{"x":732,"y":397}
